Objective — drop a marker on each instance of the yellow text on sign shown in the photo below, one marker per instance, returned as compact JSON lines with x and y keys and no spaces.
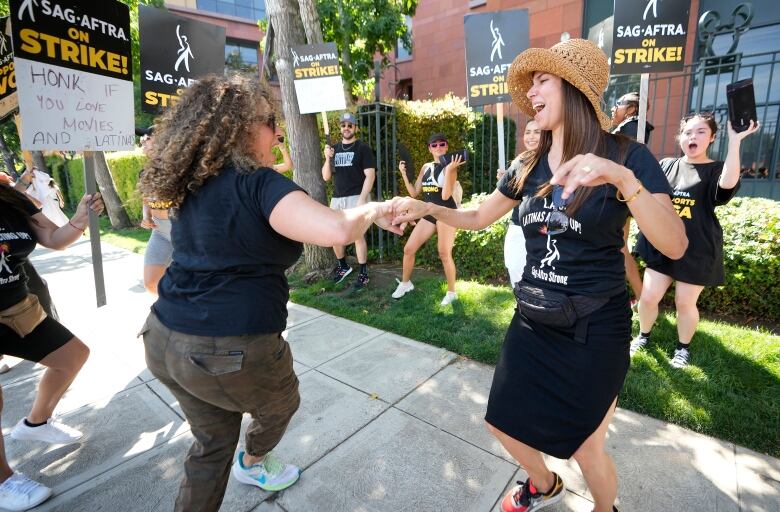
{"x":648,"y":55}
{"x":34,"y":42}
{"x":475,"y":91}
{"x":316,"y":71}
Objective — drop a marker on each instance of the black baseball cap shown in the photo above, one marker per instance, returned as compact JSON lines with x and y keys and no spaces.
{"x":144,"y":131}
{"x":437,"y":136}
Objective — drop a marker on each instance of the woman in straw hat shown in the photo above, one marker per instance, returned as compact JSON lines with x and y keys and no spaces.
{"x":565,"y":355}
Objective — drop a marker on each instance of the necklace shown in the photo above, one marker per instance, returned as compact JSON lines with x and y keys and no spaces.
{"x":345,"y":148}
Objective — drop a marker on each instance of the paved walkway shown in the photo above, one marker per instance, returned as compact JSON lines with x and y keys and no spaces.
{"x":385,"y":424}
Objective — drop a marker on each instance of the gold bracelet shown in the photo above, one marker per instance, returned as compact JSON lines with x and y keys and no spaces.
{"x":622,"y":199}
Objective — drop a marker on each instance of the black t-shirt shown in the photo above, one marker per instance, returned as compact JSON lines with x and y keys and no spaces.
{"x":630,"y":126}
{"x":227,"y":275}
{"x":586,"y":258}
{"x":695,"y":195}
{"x":17,"y":241}
{"x":349,"y":162}
{"x":433,"y":184}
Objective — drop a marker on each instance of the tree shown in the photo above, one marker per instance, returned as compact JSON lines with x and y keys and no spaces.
{"x":360,"y":29}
{"x":116,"y":211}
{"x":302,"y":130}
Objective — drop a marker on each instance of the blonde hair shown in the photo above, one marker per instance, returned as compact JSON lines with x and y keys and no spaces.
{"x":205,"y":131}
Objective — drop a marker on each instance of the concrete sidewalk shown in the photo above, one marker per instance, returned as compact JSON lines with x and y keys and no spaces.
{"x":386,"y":424}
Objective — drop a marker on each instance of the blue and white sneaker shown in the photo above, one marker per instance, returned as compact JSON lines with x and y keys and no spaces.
{"x":270,"y":475}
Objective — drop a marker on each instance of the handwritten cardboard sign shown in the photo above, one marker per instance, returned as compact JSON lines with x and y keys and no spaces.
{"x":649,"y":36}
{"x":9,"y":102}
{"x":74,"y":77}
{"x":317,"y":78}
{"x":175,"y":51}
{"x":493,"y":40}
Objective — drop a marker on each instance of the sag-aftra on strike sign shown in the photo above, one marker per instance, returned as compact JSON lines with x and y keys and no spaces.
{"x":649,"y":36}
{"x":73,"y":71}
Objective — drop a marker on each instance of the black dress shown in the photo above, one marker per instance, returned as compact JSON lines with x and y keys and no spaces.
{"x":550,"y":391}
{"x":696,"y":194}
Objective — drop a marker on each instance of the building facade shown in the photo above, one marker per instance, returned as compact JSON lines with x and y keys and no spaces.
{"x":720,"y":50}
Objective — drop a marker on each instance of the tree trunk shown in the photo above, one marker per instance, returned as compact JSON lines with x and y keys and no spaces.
{"x":302,"y":130}
{"x":8,"y":158}
{"x":346,"y":61}
{"x":114,"y":208}
{"x":39,"y":162}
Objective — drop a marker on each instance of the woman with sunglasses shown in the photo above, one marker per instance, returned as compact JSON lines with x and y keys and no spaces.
{"x":700,"y":184}
{"x":556,"y":383}
{"x":214,"y":335}
{"x":437,"y":184}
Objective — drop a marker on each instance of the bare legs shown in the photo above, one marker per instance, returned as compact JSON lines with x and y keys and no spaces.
{"x":446,"y":241}
{"x":152,"y":276}
{"x":361,"y":250}
{"x":422,"y":231}
{"x":685,"y":297}
{"x":5,"y":469}
{"x":62,"y":367}
{"x":596,"y":466}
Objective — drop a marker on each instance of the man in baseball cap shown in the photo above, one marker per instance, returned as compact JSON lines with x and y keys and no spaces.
{"x":352,"y":166}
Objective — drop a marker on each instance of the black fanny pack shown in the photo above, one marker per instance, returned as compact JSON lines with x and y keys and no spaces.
{"x":556,"y":309}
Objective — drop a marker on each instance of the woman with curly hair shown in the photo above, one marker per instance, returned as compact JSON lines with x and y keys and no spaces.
{"x":214,"y":335}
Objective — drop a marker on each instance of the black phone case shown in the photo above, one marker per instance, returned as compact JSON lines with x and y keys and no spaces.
{"x":447,"y":158}
{"x":742,"y":104}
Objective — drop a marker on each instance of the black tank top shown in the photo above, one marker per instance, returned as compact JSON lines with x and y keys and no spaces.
{"x":432,"y":185}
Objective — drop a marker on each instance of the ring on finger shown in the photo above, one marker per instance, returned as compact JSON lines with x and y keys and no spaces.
{"x":586,"y":169}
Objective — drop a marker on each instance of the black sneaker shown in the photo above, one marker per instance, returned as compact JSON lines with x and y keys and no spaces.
{"x":339,"y":273}
{"x":360,"y":282}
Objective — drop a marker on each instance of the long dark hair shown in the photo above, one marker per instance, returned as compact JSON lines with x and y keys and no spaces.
{"x":582,"y":134}
{"x":16,"y":201}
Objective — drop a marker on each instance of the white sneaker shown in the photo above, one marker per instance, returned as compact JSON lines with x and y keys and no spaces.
{"x":20,"y":493}
{"x":681,"y":358}
{"x":403,"y":289}
{"x":447,"y":300}
{"x":270,"y":475}
{"x":637,"y":343}
{"x":52,"y":432}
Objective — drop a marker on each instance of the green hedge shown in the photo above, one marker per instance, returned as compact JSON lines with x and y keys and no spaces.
{"x":751,"y":235}
{"x":125,"y":167}
{"x":751,"y":240}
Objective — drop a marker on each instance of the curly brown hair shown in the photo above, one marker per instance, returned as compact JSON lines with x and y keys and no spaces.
{"x":202,"y":133}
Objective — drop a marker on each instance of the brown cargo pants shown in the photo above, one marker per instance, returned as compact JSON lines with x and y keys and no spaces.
{"x":215,"y":380}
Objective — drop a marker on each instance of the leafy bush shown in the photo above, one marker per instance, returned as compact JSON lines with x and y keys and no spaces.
{"x":125,"y":167}
{"x":751,"y":240}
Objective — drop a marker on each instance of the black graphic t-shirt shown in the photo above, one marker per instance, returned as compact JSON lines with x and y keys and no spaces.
{"x":17,"y":241}
{"x":349,"y":162}
{"x":585,"y":259}
{"x":433,"y":184}
{"x":227,"y":275}
{"x":695,"y":195}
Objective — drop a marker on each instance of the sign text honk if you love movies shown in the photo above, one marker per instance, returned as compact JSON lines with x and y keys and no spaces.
{"x":73,"y":67}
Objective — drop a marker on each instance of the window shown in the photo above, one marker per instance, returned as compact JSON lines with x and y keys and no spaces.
{"x":240,"y":56}
{"x":401,"y":53}
{"x":248,"y":9}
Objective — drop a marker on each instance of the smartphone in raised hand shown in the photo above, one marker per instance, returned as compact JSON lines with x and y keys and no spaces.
{"x":742,"y":104}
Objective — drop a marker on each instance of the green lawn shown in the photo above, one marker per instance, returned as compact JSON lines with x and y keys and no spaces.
{"x":133,"y":239}
{"x":730,"y":391}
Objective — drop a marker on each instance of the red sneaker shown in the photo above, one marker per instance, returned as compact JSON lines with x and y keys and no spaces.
{"x":526,"y":498}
